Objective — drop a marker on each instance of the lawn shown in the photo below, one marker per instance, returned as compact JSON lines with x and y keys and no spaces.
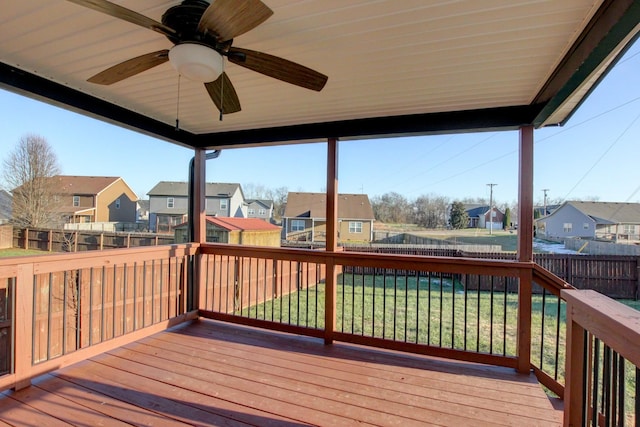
{"x":19,"y":252}
{"x":508,"y":240}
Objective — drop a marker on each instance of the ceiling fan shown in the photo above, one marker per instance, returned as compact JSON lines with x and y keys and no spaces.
{"x":202,"y":34}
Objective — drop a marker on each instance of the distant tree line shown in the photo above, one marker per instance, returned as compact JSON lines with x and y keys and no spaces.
{"x":429,"y":211}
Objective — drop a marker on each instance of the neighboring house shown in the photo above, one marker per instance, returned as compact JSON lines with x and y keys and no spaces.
{"x":241,"y":231}
{"x":6,"y":202}
{"x":169,"y":203}
{"x":258,"y":208}
{"x":304,"y":217}
{"x":539,"y":211}
{"x":95,"y":199}
{"x":142,"y":210}
{"x":593,"y":220}
{"x":480,"y":216}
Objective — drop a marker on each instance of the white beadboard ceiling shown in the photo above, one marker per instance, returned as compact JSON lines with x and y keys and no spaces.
{"x":383,"y":58}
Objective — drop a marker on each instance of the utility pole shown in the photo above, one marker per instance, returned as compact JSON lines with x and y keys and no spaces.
{"x":545,"y":201}
{"x":491,"y":207}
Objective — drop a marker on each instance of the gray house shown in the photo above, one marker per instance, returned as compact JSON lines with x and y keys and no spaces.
{"x":259,"y":208}
{"x":593,"y":220}
{"x":169,"y":203}
{"x":6,"y":206}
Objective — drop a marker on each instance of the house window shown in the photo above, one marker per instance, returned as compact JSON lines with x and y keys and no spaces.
{"x":76,"y":201}
{"x":355,"y":227}
{"x":117,"y":203}
{"x":262,"y":212}
{"x":567,"y":227}
{"x":585,"y":225}
{"x":223,"y":204}
{"x":297,"y":225}
{"x":629,"y":229}
{"x":252,"y":211}
{"x":170,"y":202}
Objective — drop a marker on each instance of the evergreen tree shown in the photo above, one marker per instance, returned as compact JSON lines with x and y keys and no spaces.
{"x":459,"y":217}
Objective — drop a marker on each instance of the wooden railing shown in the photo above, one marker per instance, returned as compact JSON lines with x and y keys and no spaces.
{"x":67,"y":307}
{"x":460,"y":308}
{"x":59,"y":309}
{"x":549,"y":332}
{"x":603,"y":361}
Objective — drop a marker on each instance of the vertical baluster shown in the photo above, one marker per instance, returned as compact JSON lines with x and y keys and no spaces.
{"x":557,"y":349}
{"x":491,"y":309}
{"x":384,"y":303}
{"x":595,"y":384}
{"x":362,"y":315}
{"x":504,"y":315}
{"x":542,"y":324}
{"x":466,"y":313}
{"x":453,"y":311}
{"x":441,"y":308}
{"x":478,"y":315}
{"x":65,"y":296}
{"x":417,"y":305}
{"x":49,"y":303}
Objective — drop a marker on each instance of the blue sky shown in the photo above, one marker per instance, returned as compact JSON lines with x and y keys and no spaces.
{"x":594,"y":156}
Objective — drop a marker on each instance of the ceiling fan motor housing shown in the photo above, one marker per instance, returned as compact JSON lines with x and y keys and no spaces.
{"x":184,"y":18}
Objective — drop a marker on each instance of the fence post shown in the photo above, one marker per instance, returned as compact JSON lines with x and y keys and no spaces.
{"x":75,"y":241}
{"x":26,"y":238}
{"x":50,"y":245}
{"x":101,"y":241}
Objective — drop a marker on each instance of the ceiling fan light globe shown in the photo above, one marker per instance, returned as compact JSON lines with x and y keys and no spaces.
{"x":196,"y":62}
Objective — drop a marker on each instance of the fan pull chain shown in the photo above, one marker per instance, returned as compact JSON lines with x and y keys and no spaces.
{"x":178,"y":106}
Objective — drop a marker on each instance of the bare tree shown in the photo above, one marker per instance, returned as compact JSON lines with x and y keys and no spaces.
{"x":28,"y":172}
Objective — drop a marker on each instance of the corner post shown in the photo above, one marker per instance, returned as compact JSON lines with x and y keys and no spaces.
{"x":525,"y":246}
{"x":332,"y":239}
{"x":574,"y":410}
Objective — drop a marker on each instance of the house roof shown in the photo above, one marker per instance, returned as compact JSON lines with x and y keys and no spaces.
{"x":213,"y":189}
{"x":609,"y":212}
{"x":314,"y":205}
{"x":239,"y":224}
{"x":394,"y":66}
{"x":83,"y":185}
{"x":6,"y":205}
{"x":242,"y":224}
{"x":266,"y":203}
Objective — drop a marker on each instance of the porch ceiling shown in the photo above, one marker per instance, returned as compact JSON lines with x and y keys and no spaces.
{"x":394,"y":66}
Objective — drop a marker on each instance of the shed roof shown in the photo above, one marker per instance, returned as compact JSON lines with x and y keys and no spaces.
{"x":394,"y":66}
{"x":314,"y":205}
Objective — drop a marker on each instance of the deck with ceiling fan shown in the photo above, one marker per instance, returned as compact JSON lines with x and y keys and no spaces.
{"x":204,"y":333}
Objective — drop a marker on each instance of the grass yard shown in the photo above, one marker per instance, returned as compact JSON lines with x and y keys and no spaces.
{"x":425,"y":310}
{"x":19,"y":252}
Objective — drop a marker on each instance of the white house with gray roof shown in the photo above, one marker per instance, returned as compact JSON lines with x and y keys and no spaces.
{"x":592,"y":220}
{"x":169,"y":203}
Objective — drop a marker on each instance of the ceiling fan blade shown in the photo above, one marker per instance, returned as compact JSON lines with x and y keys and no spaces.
{"x":130,"y":68}
{"x":125,"y":14}
{"x":222,"y":92}
{"x":230,"y":18}
{"x":278,"y":68}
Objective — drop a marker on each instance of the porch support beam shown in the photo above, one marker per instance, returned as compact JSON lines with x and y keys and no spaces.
{"x":525,"y":246}
{"x":332,"y":239}
{"x":525,"y":195}
{"x":199,"y":227}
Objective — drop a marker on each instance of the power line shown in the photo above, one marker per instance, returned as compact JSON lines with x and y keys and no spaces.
{"x":602,"y":156}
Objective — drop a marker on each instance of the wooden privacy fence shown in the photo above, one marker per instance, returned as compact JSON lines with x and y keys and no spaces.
{"x":78,"y":241}
{"x":612,"y":275}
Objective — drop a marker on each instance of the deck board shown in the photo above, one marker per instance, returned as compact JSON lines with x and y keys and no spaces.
{"x":211,"y":373}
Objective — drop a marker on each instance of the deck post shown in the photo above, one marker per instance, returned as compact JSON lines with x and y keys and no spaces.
{"x":199,"y":227}
{"x":525,"y":246}
{"x":23,"y":326}
{"x":574,"y":410}
{"x":332,"y":239}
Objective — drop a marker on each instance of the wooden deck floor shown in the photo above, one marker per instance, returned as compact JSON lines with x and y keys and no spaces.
{"x":210,"y":373}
